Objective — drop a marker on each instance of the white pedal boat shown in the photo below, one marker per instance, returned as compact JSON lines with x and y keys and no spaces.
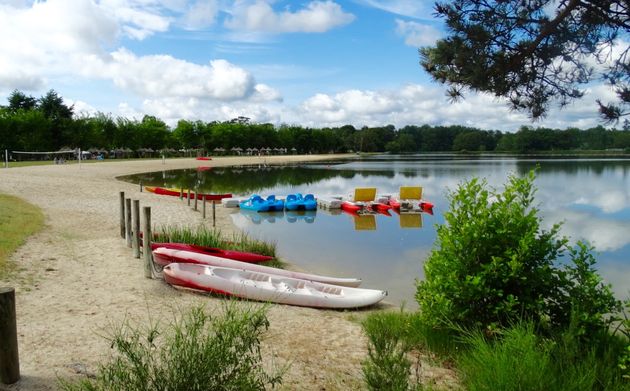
{"x":164,"y":256}
{"x":252,"y":285}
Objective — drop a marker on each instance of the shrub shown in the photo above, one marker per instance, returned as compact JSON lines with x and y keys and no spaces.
{"x":199,"y":352}
{"x":387,"y":367}
{"x":493,"y":264}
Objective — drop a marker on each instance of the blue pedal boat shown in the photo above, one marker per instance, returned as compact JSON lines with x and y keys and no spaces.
{"x":298,"y":202}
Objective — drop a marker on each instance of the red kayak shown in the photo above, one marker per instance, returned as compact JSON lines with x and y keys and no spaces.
{"x":175,"y":192}
{"x":204,"y":158}
{"x":217,"y":252}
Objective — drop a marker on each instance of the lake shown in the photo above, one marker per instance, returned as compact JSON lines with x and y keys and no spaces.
{"x":590,"y":196}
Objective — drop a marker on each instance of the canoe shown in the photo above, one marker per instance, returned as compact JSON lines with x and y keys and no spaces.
{"x":298,"y":202}
{"x":176,"y":192}
{"x":266,"y":287}
{"x":217,"y":252}
{"x":204,"y":158}
{"x":165,"y":256}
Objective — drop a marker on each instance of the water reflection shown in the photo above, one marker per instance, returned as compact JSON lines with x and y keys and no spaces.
{"x":590,"y":197}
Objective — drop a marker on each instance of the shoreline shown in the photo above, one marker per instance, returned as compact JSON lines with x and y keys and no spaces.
{"x":77,"y":279}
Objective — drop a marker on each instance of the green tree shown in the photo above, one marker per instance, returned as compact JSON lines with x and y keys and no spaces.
{"x":533,"y":52}
{"x":20,"y":101}
{"x":493,"y":264}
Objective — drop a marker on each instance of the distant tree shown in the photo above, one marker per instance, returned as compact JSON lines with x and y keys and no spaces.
{"x":533,"y":52}
{"x":20,"y":101}
{"x":53,"y":107}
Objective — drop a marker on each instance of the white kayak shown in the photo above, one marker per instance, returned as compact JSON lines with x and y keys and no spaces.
{"x":268,"y":287}
{"x":165,"y":256}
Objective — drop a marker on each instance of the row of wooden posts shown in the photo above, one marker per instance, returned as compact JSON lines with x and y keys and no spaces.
{"x":130,"y":226}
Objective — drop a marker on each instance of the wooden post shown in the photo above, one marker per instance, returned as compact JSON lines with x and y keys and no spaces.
{"x":188,"y":197}
{"x":136,"y":229}
{"x":181,"y":194}
{"x":122,"y":214}
{"x":196,"y":198}
{"x":214,"y":214}
{"x":9,"y":358}
{"x":128,"y":221}
{"x":203,"y":208}
{"x":146,"y":248}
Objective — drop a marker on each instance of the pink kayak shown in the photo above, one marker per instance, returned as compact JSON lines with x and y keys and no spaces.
{"x":217,"y":252}
{"x":165,"y":256}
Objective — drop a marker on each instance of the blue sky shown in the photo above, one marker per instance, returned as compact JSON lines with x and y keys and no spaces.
{"x":313,"y":63}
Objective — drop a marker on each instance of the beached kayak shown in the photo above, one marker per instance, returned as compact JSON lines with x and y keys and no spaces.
{"x":266,"y":287}
{"x":176,"y":192}
{"x":165,"y":256}
{"x":217,"y":252}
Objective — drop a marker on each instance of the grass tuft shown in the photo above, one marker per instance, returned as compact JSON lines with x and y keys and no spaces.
{"x":197,"y":352}
{"x":18,"y":220}
{"x":204,"y":236}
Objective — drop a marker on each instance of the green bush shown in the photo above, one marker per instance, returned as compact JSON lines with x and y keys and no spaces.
{"x":493,"y":264}
{"x":199,"y":352}
{"x":387,"y":366}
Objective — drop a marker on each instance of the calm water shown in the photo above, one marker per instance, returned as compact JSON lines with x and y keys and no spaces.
{"x":591,"y":197}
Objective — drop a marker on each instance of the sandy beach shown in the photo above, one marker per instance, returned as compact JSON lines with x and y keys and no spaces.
{"x":77,"y":279}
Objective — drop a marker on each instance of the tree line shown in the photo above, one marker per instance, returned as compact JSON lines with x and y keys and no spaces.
{"x":48,"y":124}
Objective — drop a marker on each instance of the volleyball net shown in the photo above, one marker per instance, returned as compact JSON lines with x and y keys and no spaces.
{"x":61,"y":156}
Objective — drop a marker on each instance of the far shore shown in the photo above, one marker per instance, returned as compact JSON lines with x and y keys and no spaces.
{"x":77,"y":279}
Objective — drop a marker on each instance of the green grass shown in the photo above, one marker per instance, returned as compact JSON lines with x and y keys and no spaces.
{"x":515,"y":358}
{"x":199,"y":351}
{"x":18,"y":220}
{"x":204,"y":236}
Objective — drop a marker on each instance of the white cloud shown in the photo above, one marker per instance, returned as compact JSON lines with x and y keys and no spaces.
{"x":316,"y":17}
{"x":410,"y":8}
{"x":166,"y":76}
{"x":201,"y":14}
{"x":417,"y":34}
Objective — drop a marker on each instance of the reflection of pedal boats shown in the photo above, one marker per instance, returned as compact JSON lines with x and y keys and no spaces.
{"x":362,"y":221}
{"x":257,"y":218}
{"x":410,"y":219}
{"x":307,"y":216}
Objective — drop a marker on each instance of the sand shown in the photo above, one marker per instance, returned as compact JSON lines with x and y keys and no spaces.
{"x":77,"y":279}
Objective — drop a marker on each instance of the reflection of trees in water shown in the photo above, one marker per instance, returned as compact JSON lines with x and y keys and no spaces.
{"x":246,"y":179}
{"x":575,"y":167}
